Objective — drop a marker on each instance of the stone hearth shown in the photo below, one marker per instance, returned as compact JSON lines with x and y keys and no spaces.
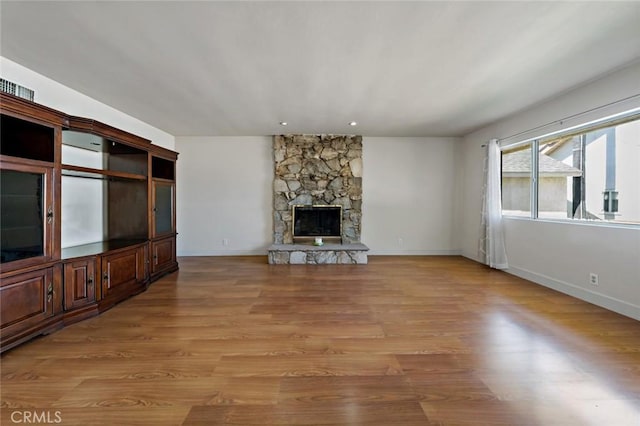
{"x":295,"y":254}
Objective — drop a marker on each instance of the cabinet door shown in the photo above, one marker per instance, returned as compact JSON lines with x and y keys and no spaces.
{"x":26,"y":225}
{"x":79,"y":283}
{"x":163,"y":200}
{"x":26,"y":301}
{"x":163,"y":254}
{"x":122,"y":271}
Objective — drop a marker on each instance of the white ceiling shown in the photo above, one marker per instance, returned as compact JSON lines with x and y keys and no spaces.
{"x":397,"y":68}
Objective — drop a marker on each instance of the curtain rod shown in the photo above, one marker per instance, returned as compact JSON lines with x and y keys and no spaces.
{"x":562,"y":120}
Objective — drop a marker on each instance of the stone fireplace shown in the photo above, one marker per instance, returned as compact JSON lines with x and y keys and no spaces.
{"x":321,"y":170}
{"x":317,"y":169}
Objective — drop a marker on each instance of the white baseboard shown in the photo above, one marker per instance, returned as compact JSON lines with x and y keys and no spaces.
{"x":370,"y":253}
{"x":414,"y":252}
{"x":260,"y":252}
{"x":599,"y":299}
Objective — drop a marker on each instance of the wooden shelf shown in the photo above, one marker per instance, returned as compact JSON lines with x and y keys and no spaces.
{"x":88,"y":172}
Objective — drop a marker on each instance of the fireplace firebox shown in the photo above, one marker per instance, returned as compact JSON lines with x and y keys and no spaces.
{"x":313,"y":221}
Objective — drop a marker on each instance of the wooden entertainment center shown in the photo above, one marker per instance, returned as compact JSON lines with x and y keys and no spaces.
{"x":65,"y":179}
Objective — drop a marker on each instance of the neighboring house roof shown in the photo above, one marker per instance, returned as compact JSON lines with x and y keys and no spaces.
{"x":518,"y":163}
{"x":552,"y":146}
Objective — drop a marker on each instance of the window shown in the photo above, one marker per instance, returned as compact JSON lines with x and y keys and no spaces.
{"x":516,"y":181}
{"x":593,"y":174}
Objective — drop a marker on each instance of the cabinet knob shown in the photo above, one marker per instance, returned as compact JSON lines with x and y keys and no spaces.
{"x":90,"y":281}
{"x":50,"y":214}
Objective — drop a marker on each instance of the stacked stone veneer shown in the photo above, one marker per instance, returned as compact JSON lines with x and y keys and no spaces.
{"x":317,"y":169}
{"x":292,"y":254}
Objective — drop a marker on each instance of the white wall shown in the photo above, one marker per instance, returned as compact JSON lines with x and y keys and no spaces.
{"x":409,"y":191}
{"x":224,"y":192}
{"x":57,"y":96}
{"x":561,"y":255}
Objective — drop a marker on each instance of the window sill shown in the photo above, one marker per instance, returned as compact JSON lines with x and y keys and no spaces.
{"x":578,"y":222}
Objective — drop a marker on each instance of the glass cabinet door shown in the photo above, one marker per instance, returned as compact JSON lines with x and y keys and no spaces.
{"x":26,"y":215}
{"x":163,"y":208}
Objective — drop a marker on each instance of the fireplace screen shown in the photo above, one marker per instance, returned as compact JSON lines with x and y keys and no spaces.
{"x":317,"y":221}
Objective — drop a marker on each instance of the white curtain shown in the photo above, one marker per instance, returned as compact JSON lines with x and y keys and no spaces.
{"x":491,"y":246}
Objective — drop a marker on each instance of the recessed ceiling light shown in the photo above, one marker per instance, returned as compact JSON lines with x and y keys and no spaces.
{"x":283,"y":123}
{"x":353,"y":123}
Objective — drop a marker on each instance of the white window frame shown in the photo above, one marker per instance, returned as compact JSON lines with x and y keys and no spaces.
{"x":534,"y":144}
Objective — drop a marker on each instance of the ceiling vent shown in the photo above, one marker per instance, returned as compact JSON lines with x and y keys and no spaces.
{"x":16,"y":89}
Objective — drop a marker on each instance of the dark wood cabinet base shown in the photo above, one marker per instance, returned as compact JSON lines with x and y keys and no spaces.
{"x":45,"y":152}
{"x":30,"y":304}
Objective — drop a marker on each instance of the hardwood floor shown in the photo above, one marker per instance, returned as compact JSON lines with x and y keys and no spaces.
{"x":400,"y":341}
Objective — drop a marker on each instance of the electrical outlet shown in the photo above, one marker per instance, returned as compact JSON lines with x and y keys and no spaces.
{"x":400,"y":242}
{"x":593,"y":278}
{"x":225,"y":241}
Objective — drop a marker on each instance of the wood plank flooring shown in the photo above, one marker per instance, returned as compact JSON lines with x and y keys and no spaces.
{"x":400,"y":341}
